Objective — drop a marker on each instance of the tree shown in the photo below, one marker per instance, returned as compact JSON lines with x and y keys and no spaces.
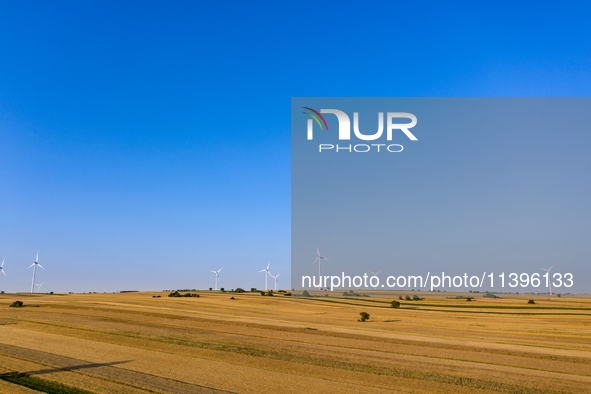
{"x":210,"y":289}
{"x":395,"y":304}
{"x":531,"y":302}
{"x":305,"y":293}
{"x":364,"y":316}
{"x":17,"y":304}
{"x":222,"y":289}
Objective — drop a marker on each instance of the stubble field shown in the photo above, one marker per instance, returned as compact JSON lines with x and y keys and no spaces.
{"x":136,"y":343}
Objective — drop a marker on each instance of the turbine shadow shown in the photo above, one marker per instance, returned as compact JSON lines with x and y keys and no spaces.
{"x":72,"y":368}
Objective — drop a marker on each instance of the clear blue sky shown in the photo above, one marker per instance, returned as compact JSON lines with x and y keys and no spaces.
{"x":143,"y":143}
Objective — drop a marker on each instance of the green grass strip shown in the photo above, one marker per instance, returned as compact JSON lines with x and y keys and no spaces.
{"x":42,"y":385}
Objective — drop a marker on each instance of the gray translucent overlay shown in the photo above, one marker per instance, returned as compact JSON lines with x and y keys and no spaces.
{"x":489,"y":185}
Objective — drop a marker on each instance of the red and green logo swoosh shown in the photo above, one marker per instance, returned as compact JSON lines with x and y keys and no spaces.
{"x":315,"y":118}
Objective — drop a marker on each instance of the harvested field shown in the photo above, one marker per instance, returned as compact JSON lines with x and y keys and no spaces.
{"x":135,"y":343}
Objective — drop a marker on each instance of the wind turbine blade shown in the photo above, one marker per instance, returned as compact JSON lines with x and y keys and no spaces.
{"x":378,"y":272}
{"x":30,"y":265}
{"x":220,"y":269}
{"x":324,"y":258}
{"x":213,"y":272}
{"x":37,"y":258}
{"x":551,"y":268}
{"x":268,"y":265}
{"x":317,"y":251}
{"x":263,"y":271}
{"x":317,"y":258}
{"x":278,"y":274}
{"x":40,"y":266}
{"x":3,"y":262}
{"x":4,"y":273}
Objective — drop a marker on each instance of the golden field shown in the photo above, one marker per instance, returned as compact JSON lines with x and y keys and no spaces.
{"x":136,"y":343}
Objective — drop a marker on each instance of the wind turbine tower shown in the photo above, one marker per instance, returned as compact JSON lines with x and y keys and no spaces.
{"x":318,"y":259}
{"x":549,"y":278}
{"x":275,"y":277}
{"x":34,"y":265}
{"x":266,"y":271}
{"x":217,"y":277}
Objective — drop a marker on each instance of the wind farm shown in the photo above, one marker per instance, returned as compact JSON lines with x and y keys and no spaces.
{"x":235,"y":341}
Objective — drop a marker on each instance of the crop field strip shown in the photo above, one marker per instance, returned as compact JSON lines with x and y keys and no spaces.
{"x":318,"y":346}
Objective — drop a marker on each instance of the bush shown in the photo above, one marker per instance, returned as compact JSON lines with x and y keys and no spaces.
{"x":305,"y":293}
{"x":239,"y":290}
{"x":531,"y":302}
{"x":177,"y":294}
{"x":270,"y":293}
{"x":263,"y":293}
{"x":232,"y":298}
{"x":364,"y":316}
{"x":469,"y":299}
{"x":222,"y":289}
{"x":399,"y":297}
{"x":210,"y":289}
{"x":407,"y":298}
{"x":17,"y":304}
{"x":395,"y":304}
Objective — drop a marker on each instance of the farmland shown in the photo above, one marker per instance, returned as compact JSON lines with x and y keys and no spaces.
{"x":140,"y":343}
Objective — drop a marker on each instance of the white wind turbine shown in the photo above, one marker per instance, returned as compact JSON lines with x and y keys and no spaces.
{"x":375,"y":273}
{"x":34,"y":265}
{"x":2,"y":269}
{"x":275,"y":277}
{"x":318,"y":259}
{"x":549,"y":278}
{"x":39,"y":287}
{"x":217,"y":277}
{"x":266,"y":271}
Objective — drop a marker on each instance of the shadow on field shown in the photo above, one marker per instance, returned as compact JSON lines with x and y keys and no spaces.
{"x":75,"y":367}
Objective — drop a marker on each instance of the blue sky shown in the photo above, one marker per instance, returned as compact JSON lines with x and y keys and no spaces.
{"x":143,"y":143}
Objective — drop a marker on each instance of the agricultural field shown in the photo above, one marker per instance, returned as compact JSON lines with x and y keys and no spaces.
{"x":141,"y":343}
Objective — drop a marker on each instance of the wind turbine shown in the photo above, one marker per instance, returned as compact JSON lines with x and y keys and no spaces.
{"x":39,"y":287}
{"x":266,"y":271}
{"x":2,"y":269}
{"x":34,"y":265}
{"x":375,"y":273}
{"x":275,"y":277}
{"x":217,"y":277}
{"x":318,"y":259}
{"x":549,"y":279}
